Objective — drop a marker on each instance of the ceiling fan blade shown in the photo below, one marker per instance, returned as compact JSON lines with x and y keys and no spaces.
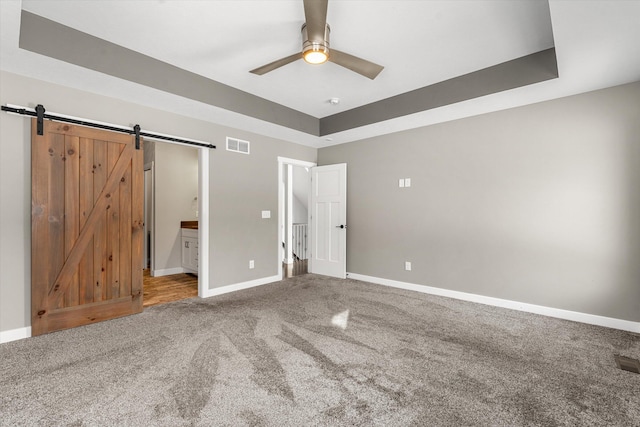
{"x":276,"y":64}
{"x":358,"y":65}
{"x":315,"y":13}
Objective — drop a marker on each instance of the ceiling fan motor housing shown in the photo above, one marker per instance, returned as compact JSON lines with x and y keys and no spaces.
{"x":318,"y":47}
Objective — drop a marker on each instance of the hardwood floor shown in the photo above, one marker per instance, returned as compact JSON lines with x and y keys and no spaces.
{"x":160,"y":290}
{"x":164,"y":289}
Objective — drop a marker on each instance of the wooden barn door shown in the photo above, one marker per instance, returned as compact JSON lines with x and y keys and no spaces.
{"x":86,"y":226}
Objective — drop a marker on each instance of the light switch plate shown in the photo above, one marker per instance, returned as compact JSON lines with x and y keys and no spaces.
{"x":401,"y":183}
{"x":266,"y":214}
{"x":407,"y":265}
{"x":407,"y":182}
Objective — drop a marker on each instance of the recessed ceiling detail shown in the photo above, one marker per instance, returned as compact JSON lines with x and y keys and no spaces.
{"x":520,"y":72}
{"x":47,"y":37}
{"x":192,"y":58}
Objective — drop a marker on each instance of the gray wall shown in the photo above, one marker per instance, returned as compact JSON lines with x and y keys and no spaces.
{"x":300,"y":195}
{"x":300,"y":211}
{"x":241,"y":186}
{"x":149,"y":151}
{"x":176,"y":185}
{"x":538,"y":204}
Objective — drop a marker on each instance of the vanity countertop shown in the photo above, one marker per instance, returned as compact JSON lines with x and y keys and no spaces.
{"x":192,"y":225}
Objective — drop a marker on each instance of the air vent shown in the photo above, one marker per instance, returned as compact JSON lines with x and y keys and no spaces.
{"x":237,"y":145}
{"x":628,"y":364}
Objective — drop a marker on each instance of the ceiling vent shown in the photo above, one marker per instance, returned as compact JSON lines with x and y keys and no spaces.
{"x":237,"y":145}
{"x":628,"y":364}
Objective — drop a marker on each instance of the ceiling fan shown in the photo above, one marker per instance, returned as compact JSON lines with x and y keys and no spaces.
{"x":315,"y":45}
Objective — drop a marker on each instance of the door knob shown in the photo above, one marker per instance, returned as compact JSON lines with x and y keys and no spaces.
{"x":341,"y":226}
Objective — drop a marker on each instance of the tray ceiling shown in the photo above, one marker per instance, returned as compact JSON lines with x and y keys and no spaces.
{"x":420,"y":43}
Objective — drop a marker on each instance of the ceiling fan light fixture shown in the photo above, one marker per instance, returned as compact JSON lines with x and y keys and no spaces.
{"x":316,"y":46}
{"x":316,"y":56}
{"x":315,"y":51}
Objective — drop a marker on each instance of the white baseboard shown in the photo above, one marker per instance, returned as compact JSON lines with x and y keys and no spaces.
{"x":592,"y":319}
{"x":239,"y":286}
{"x":167,"y":272}
{"x":15,"y":334}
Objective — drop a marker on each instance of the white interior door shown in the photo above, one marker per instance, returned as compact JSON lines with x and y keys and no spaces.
{"x":328,"y":216}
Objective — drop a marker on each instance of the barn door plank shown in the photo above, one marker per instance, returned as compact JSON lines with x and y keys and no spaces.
{"x":85,"y":270}
{"x":71,"y":210}
{"x":113,"y":227}
{"x":100,"y":174}
{"x":137,"y":228}
{"x":124,"y":233}
{"x":56,"y":206}
{"x":95,"y":312}
{"x":40,"y":230}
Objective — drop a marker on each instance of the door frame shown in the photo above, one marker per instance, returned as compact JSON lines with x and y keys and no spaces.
{"x":204,"y":160}
{"x":290,"y":162}
{"x":150,"y":204}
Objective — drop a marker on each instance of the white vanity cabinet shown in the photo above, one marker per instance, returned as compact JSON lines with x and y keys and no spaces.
{"x":189,"y":250}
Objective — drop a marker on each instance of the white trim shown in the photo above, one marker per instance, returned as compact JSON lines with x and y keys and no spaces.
{"x":288,"y":256}
{"x":240,"y":286}
{"x":286,"y":161}
{"x":167,"y":272}
{"x":152,"y":226}
{"x":203,"y":221}
{"x":295,"y":162}
{"x":592,"y":319}
{"x":15,"y":334}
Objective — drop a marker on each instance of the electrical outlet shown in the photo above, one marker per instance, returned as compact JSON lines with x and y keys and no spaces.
{"x":251,"y":264}
{"x":401,"y":183}
{"x":407,"y":265}
{"x":407,"y":182}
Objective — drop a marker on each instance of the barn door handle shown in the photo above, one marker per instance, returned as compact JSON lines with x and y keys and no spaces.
{"x":341,"y":226}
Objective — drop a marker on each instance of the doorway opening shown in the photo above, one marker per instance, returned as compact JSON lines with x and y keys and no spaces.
{"x":293,"y":216}
{"x":176,"y":222}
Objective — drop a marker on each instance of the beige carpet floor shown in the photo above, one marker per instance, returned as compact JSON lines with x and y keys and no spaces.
{"x":317,"y":351}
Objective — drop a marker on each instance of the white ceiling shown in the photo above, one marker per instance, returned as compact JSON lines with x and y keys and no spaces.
{"x":418,"y":42}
